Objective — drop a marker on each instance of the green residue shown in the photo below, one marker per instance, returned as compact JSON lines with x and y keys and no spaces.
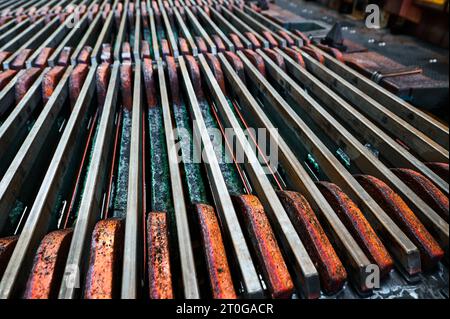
{"x":313,"y":163}
{"x":120,"y":191}
{"x":159,"y":168}
{"x":15,"y":214}
{"x":192,"y":169}
{"x":343,"y":157}
{"x":229,"y":171}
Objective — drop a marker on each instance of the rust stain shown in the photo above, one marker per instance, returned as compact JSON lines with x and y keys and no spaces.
{"x":295,"y":55}
{"x":184,"y":48}
{"x":25,"y":81}
{"x":425,"y":189}
{"x":21,"y":58}
{"x":173,"y":80}
{"x":64,"y":56}
{"x":214,"y":64}
{"x":275,"y":57}
{"x":126,"y":86}
{"x":252,"y":38}
{"x":256,"y":60}
{"x":269,"y":37}
{"x":354,"y":220}
{"x":219,"y":272}
{"x":102,"y":80}
{"x":149,"y":82}
{"x":7,"y":245}
{"x":85,"y":55}
{"x":331,"y":271}
{"x":50,"y":81}
{"x":42,"y":58}
{"x":159,"y":273}
{"x":48,"y":265}
{"x":5,"y":77}
{"x":397,"y":209}
{"x":76,"y":82}
{"x":236,"y":41}
{"x":270,"y":258}
{"x":105,"y":260}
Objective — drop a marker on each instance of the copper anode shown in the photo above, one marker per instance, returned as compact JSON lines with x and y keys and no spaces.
{"x":7,"y":245}
{"x":216,"y":257}
{"x":354,"y":220}
{"x":331,"y":271}
{"x":48,"y":265}
{"x":50,"y":81}
{"x":430,"y":251}
{"x":270,"y":258}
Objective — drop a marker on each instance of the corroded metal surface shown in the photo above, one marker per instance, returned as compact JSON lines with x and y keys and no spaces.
{"x":48,"y":265}
{"x":331,"y":271}
{"x":159,"y":270}
{"x":217,"y":263}
{"x":354,"y":220}
{"x":392,"y":203}
{"x":105,"y":260}
{"x":267,"y":250}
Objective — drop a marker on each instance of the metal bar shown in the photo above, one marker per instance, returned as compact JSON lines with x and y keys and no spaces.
{"x":36,"y":225}
{"x":226,"y":25}
{"x":401,"y":247}
{"x":216,"y":29}
{"x":189,"y":275}
{"x":219,"y":189}
{"x":200,"y":30}
{"x":185,"y":31}
{"x":169,"y":31}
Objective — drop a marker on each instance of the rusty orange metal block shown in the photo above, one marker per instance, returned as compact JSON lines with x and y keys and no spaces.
{"x":270,"y":258}
{"x":159,"y":270}
{"x":126,"y":87}
{"x":50,"y":81}
{"x":331,"y":271}
{"x":48,"y":265}
{"x":42,"y":58}
{"x":332,"y":51}
{"x":64,"y":56}
{"x":290,"y":42}
{"x":145,"y":50}
{"x":425,"y":189}
{"x":165,"y":48}
{"x":184,"y":48}
{"x":236,"y":41}
{"x":236,"y":63}
{"x":257,"y":60}
{"x":315,"y":54}
{"x":5,"y":77}
{"x":194,"y":72}
{"x":219,"y":43}
{"x":85,"y":55}
{"x":216,"y":69}
{"x":25,"y":81}
{"x":354,"y":220}
{"x":149,"y":82}
{"x":201,"y":44}
{"x":102,"y":280}
{"x":397,"y":209}
{"x":252,"y":38}
{"x":295,"y":55}
{"x":19,"y":61}
{"x":440,"y":169}
{"x":7,"y":245}
{"x":275,"y":57}
{"x":173,"y":79}
{"x":76,"y":82}
{"x":106,"y":54}
{"x":217,"y":263}
{"x":126,"y":52}
{"x":102,"y":80}
{"x":269,"y":37}
{"x":304,"y":37}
